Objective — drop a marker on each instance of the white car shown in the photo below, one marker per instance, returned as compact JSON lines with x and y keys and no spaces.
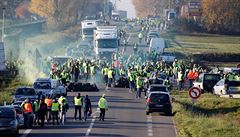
{"x":222,"y":87}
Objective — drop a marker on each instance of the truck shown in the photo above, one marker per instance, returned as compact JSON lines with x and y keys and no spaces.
{"x":119,"y":14}
{"x":106,"y":41}
{"x":88,"y":27}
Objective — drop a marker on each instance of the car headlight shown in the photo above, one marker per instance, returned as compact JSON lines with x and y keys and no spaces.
{"x":13,"y":123}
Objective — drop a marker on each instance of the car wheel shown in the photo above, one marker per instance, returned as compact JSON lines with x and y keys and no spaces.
{"x":147,"y":113}
{"x":169,"y":112}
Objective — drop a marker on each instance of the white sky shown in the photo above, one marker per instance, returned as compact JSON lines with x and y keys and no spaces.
{"x":126,"y":5}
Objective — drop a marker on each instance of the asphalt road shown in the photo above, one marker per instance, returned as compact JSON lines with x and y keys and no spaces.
{"x":126,"y":117}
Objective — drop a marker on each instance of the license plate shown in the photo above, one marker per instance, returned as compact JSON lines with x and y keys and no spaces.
{"x":159,"y":105}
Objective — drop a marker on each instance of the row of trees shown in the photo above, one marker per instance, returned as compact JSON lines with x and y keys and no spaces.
{"x":218,"y":16}
{"x":62,"y":13}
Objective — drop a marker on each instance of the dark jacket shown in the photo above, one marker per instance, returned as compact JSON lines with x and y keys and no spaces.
{"x":87,"y":104}
{"x":43,"y":108}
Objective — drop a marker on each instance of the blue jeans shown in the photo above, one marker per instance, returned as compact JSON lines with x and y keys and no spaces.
{"x":190,"y":83}
{"x":139,"y":91}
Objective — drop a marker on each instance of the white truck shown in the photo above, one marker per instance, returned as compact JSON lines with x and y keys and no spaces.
{"x":88,"y":27}
{"x":106,"y":41}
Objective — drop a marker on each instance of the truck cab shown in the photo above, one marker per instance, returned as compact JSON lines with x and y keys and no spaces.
{"x":106,"y":41}
{"x":88,"y":27}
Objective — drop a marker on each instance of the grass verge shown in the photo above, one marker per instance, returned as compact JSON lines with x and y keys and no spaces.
{"x":210,"y":116}
{"x":6,"y":92}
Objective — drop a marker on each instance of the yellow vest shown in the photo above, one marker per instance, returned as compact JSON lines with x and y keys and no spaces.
{"x":55,"y":106}
{"x":101,"y":103}
{"x":110,"y":74}
{"x":78,"y":101}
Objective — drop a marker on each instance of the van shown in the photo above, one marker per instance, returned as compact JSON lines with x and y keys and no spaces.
{"x":157,"y":44}
{"x":48,"y":86}
{"x":206,"y":81}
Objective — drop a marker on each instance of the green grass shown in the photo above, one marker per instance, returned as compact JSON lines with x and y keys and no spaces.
{"x":210,"y":116}
{"x":203,"y":43}
{"x":6,"y":92}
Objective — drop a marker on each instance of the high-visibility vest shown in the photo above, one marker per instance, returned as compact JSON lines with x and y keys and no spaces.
{"x":110,"y":74}
{"x":48,"y":102}
{"x":105,"y":71}
{"x":55,"y":106}
{"x":102,"y":103}
{"x":61,"y":99}
{"x":78,"y":101}
{"x":180,"y":76}
{"x":28,"y":108}
{"x":139,"y":82}
{"x":35,"y":106}
{"x":92,"y":70}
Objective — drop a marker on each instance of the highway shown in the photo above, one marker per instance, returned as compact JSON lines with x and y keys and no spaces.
{"x":125,"y":118}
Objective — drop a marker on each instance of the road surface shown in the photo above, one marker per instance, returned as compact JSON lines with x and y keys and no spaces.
{"x":126,"y":117}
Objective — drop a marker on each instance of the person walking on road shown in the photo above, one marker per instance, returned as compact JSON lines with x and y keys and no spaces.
{"x":55,"y":111}
{"x":48,"y":101}
{"x":42,"y":111}
{"x":78,"y":102}
{"x":36,"y":111}
{"x":87,"y":107}
{"x":103,"y":105}
{"x":63,"y":109}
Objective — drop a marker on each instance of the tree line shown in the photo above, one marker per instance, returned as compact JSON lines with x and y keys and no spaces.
{"x":218,"y":16}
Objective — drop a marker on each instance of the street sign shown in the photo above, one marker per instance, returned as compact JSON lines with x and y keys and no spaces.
{"x":194,"y":92}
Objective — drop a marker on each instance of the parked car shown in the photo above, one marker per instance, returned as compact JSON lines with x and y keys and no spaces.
{"x":206,"y":81}
{"x":24,"y":92}
{"x":157,"y":44}
{"x":20,"y":116}
{"x":157,"y":87}
{"x":224,"y":87}
{"x":8,"y":121}
{"x":167,"y":57}
{"x":159,"y":102}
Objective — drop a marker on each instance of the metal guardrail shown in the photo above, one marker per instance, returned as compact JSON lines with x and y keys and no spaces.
{"x":24,"y":24}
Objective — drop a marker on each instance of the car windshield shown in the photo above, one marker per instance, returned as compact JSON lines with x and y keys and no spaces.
{"x":158,"y":88}
{"x":25,"y":91}
{"x":107,"y":43}
{"x":159,"y":98}
{"x":88,"y":31}
{"x":7,"y":113}
{"x":42,"y":85}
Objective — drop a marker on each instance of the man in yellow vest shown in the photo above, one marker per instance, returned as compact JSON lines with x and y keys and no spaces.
{"x":55,"y":111}
{"x":78,"y":102}
{"x":110,"y":78}
{"x":103,"y":106}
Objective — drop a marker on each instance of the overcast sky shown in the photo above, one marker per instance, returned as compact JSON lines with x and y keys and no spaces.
{"x":126,"y":5}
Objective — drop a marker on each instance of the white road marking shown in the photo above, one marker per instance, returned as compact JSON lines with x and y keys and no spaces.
{"x":149,"y":126}
{"x":92,"y":123}
{"x":175,"y":127}
{"x":129,"y":37}
{"x":26,"y":132}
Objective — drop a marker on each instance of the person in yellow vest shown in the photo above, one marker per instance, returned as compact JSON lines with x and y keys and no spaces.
{"x":103,"y":106}
{"x":55,"y":111}
{"x":92,"y":71}
{"x":105,"y":74}
{"x":140,"y":85}
{"x":48,"y":101}
{"x":110,"y":78}
{"x":78,"y":102}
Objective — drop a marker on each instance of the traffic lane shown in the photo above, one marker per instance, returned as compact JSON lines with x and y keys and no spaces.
{"x":71,"y":127}
{"x":125,"y":117}
{"x":163,"y":125}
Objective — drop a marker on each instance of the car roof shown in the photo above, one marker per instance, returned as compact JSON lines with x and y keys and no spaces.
{"x":157,"y":85}
{"x":159,"y":92}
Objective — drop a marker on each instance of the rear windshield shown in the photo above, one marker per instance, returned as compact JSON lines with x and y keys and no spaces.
{"x":7,"y":113}
{"x":25,"y":91}
{"x":159,"y":98}
{"x":42,"y":85}
{"x":157,"y":88}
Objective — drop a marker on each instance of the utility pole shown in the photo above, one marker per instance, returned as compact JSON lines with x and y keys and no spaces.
{"x":4,"y":4}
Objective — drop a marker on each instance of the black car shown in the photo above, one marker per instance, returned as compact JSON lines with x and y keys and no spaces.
{"x":8,"y":121}
{"x":159,"y":102}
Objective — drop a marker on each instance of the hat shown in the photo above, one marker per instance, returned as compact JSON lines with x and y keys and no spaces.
{"x":103,"y":95}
